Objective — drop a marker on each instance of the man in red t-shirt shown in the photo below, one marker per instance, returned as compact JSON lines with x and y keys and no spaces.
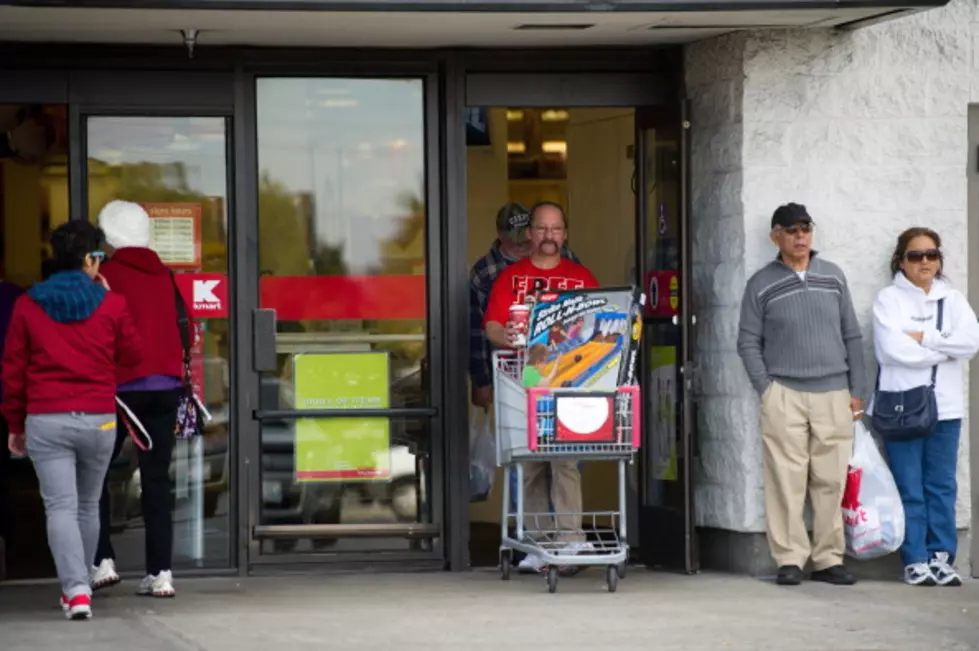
{"x":545,"y":269}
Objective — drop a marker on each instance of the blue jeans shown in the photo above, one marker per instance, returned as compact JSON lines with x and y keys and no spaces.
{"x":924,"y":470}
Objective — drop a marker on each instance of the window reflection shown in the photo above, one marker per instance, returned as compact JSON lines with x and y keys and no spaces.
{"x":342,"y":232}
{"x":179,"y":164}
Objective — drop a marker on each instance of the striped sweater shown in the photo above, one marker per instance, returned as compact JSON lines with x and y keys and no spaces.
{"x":801,"y":331}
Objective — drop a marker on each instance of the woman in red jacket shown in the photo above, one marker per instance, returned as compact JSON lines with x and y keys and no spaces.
{"x":66,"y":339}
{"x":152,"y":389}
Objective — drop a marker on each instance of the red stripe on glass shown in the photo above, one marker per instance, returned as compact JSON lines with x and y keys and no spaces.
{"x":297,"y":298}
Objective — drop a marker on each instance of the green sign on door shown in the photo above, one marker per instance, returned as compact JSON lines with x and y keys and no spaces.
{"x":342,"y":449}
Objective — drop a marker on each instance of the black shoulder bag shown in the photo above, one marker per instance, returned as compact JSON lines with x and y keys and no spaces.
{"x":190,"y":419}
{"x":911,"y":414}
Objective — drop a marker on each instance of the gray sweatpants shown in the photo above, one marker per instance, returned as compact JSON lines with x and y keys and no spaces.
{"x":71,"y":454}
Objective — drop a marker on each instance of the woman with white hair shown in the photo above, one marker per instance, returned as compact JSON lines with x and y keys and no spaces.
{"x":152,"y":390}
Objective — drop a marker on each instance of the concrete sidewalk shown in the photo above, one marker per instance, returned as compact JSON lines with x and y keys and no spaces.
{"x":438,"y":611}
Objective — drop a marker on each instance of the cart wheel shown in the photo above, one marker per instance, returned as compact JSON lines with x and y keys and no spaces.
{"x":623,"y":568}
{"x":552,"y":579}
{"x":505,"y":565}
{"x":612,"y":577}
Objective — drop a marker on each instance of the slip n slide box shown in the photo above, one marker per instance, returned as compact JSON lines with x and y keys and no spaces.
{"x":592,"y":335}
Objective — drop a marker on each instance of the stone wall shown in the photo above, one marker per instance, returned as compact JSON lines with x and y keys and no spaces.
{"x":868,"y":128}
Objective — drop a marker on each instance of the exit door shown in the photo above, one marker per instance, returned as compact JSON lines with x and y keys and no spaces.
{"x":666,"y":501}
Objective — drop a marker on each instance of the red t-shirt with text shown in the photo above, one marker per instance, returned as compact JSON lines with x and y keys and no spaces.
{"x":521,"y":277}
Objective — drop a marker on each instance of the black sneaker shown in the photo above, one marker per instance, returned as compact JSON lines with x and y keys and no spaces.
{"x":789,"y":575}
{"x":836,"y":575}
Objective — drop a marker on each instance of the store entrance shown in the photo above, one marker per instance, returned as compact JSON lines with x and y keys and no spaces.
{"x":617,"y":172}
{"x":581,"y":159}
{"x":33,"y":201}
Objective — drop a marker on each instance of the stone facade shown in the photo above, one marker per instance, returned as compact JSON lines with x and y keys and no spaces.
{"x":868,"y":128}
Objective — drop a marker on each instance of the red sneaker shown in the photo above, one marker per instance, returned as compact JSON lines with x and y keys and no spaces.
{"x":77,"y":608}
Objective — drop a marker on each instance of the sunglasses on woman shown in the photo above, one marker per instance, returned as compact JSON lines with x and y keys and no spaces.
{"x":931,"y":255}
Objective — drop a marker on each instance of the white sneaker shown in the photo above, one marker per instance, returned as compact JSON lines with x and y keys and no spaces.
{"x":576,"y":548}
{"x":104,"y":575}
{"x":531,"y":564}
{"x":573,"y":549}
{"x":944,"y":573}
{"x":159,"y":585}
{"x":919,"y":574}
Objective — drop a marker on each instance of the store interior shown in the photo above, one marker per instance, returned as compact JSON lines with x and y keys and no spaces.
{"x":583,"y":159}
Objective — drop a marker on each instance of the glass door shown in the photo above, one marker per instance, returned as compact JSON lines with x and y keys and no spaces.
{"x":345,"y":395}
{"x":176,"y":168}
{"x":666,"y":520}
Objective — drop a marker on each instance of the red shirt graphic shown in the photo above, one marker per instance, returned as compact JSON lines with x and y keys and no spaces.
{"x":521,"y":277}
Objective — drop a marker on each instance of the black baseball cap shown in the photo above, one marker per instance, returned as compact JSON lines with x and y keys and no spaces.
{"x":789,"y":215}
{"x":513,"y":219}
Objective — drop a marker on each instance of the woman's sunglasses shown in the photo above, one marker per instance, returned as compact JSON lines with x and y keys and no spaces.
{"x":931,"y":255}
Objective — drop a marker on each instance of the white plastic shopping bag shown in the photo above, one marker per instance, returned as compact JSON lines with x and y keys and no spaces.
{"x":482,"y":456}
{"x":873,"y":516}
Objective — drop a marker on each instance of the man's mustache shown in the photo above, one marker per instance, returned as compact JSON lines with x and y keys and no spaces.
{"x":548,"y":242}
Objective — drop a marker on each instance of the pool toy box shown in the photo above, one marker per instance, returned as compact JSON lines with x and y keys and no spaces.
{"x":591,"y":337}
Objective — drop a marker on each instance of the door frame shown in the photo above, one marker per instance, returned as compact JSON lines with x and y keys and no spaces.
{"x":566,"y":78}
{"x":676,"y":116}
{"x":246,"y":290}
{"x":103,"y":92}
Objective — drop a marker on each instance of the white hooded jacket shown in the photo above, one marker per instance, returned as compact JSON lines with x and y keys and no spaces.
{"x":904,"y":363}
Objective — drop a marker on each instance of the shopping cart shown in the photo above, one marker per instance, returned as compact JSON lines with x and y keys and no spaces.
{"x":531,"y":427}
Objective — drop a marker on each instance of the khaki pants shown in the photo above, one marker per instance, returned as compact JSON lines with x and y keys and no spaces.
{"x":565,"y":493}
{"x":808,"y":439}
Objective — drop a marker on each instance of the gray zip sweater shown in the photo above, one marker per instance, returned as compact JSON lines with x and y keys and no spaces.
{"x":801,"y":332}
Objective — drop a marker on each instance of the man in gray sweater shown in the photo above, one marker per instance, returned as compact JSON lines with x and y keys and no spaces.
{"x":801,"y":345}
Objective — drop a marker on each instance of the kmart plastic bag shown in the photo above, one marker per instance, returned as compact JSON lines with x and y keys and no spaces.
{"x":873,"y":516}
{"x":482,"y":456}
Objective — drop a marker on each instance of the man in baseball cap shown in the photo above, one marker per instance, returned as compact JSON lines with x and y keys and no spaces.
{"x":801,"y":345}
{"x":512,"y":244}
{"x":512,"y":220}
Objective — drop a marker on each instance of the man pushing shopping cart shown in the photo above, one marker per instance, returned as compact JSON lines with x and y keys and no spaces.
{"x":531,"y":437}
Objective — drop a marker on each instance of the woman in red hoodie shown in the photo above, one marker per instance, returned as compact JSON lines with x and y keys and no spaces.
{"x":66,"y":339}
{"x":152,"y":389}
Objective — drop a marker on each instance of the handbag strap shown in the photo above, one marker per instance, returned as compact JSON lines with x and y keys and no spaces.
{"x":934,"y":369}
{"x":183,"y":325}
{"x":938,"y":326}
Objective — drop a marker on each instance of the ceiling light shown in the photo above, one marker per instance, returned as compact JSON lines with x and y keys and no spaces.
{"x":554,"y":147}
{"x":516,"y":147}
{"x":551,"y":115}
{"x":514,"y":115}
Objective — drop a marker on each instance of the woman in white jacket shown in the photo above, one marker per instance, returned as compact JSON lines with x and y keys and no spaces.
{"x":908,"y":344}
